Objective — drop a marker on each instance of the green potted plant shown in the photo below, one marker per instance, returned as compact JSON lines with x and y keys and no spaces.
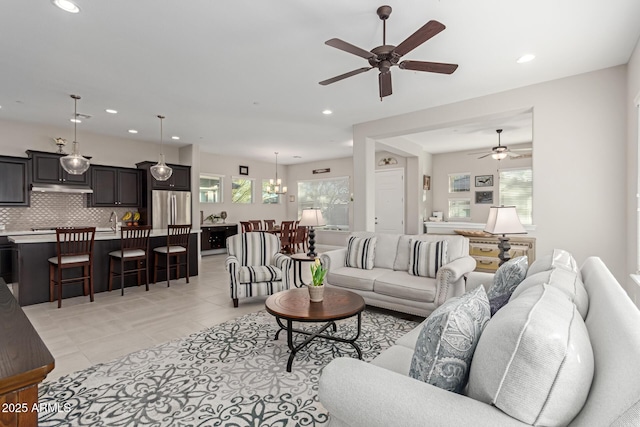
{"x":316,"y":287}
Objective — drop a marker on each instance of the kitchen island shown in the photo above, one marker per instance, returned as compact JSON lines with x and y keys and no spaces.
{"x":31,"y":268}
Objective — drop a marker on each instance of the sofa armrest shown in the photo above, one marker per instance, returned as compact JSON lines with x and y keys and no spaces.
{"x":232,"y":265}
{"x":284,"y":263}
{"x":476,"y":278}
{"x":360,"y":394}
{"x":450,"y":278}
{"x":334,"y":259}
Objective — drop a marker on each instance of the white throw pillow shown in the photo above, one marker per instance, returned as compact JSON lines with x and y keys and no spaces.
{"x":426,"y":258}
{"x":360,"y":252}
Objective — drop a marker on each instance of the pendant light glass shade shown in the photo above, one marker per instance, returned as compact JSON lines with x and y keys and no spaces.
{"x":74,"y":163}
{"x":160,"y":171}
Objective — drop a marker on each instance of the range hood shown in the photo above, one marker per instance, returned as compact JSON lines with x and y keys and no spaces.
{"x":54,"y":188}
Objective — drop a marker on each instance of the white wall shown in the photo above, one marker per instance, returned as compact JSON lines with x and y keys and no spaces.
{"x":461,"y":162}
{"x":580,"y":138}
{"x":633,"y":96}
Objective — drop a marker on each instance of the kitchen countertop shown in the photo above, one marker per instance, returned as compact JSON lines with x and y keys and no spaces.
{"x":47,"y":236}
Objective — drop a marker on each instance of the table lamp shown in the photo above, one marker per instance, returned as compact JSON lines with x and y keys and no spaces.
{"x":504,"y":220}
{"x":312,"y":218}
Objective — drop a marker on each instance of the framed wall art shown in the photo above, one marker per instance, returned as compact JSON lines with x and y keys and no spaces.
{"x":426,"y":182}
{"x":244,"y":170}
{"x":484,"y":181}
{"x":484,"y":197}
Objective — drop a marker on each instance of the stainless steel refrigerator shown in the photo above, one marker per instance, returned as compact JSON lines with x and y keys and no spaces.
{"x":170,"y":207}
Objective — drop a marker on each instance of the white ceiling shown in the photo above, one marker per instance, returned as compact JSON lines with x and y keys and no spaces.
{"x":240,"y":77}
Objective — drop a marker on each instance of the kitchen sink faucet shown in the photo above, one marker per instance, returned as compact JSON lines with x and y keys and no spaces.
{"x":112,"y":220}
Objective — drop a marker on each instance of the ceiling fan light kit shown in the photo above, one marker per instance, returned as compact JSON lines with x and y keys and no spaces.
{"x":387,"y":56}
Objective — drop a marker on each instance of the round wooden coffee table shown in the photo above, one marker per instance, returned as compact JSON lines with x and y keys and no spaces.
{"x":294,"y":305}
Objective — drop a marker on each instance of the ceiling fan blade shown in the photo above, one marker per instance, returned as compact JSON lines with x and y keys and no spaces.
{"x":430,"y":67}
{"x":344,"y":76}
{"x":384,"y":81}
{"x":477,"y":152}
{"x":349,"y":48}
{"x":486,"y":155}
{"x":427,"y":31}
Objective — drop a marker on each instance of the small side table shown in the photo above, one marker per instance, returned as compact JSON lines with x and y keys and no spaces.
{"x":298,"y":259}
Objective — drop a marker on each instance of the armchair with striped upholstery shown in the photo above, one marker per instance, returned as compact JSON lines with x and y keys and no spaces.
{"x":256,"y":266}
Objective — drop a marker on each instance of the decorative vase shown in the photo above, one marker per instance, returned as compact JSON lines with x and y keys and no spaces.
{"x":316,"y":293}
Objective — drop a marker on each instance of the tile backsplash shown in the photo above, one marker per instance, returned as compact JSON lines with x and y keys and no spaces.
{"x":57,"y":210}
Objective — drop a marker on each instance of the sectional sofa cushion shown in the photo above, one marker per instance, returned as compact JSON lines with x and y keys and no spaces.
{"x":448,"y":338}
{"x":355,"y":278}
{"x":568,"y":282}
{"x":457,"y":247}
{"x":426,"y":258}
{"x":559,"y":258}
{"x":505,"y":281}
{"x":360,"y":252}
{"x":399,"y":284}
{"x":534,"y":360}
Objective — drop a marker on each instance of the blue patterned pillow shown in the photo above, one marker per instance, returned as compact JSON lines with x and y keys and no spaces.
{"x":448,"y":338}
{"x":505,"y":281}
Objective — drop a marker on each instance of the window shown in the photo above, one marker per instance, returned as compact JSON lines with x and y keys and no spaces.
{"x":331,"y":195}
{"x":268,"y":198}
{"x":459,"y":182}
{"x":459,"y":209}
{"x":210,"y":189}
{"x":242,"y":190}
{"x":516,"y":189}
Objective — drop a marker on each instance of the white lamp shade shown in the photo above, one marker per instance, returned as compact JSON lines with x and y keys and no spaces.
{"x":504,"y":220}
{"x":312,"y":218}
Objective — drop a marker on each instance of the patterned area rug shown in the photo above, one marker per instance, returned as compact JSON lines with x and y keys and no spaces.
{"x":233,"y":374}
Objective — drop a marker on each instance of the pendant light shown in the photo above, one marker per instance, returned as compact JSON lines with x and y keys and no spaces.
{"x":74,"y":163}
{"x":275,"y":186}
{"x":160,"y":171}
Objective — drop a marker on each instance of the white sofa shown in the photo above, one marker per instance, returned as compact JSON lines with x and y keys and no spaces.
{"x":389,"y":284}
{"x":381,"y":393}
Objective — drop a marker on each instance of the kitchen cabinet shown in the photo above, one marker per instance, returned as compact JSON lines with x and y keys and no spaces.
{"x":46,"y":169}
{"x":6,"y":260}
{"x":180,"y":178}
{"x":14,"y":181}
{"x":485,"y":251}
{"x":116,"y":187}
{"x":215,"y":236}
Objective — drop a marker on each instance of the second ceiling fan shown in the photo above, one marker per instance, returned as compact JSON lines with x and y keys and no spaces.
{"x":386,"y":56}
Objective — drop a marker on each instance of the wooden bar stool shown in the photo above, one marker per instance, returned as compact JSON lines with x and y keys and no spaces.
{"x":74,"y":248}
{"x":134,"y":247}
{"x":177,"y":245}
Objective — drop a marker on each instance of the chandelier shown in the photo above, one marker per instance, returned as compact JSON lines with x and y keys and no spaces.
{"x":275,"y":186}
{"x":74,"y":163}
{"x":160,"y":171}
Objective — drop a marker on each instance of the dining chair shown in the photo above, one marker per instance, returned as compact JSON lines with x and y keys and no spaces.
{"x":177,"y":246}
{"x":287,"y":230}
{"x":74,"y":249}
{"x":256,"y":225}
{"x":300,"y":238}
{"x":247,"y":227}
{"x":134,"y":247}
{"x":269,"y":224}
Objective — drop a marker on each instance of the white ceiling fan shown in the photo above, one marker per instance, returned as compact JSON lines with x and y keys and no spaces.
{"x":501,"y":152}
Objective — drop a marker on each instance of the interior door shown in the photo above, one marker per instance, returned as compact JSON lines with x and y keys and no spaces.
{"x":390,"y":201}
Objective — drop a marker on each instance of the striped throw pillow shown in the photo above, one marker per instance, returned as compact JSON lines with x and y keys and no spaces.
{"x":426,"y":258}
{"x":360,"y":252}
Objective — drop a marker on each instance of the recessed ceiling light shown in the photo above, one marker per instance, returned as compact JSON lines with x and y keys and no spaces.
{"x":133,"y":131}
{"x":110,"y":111}
{"x":327,"y":112}
{"x":175,"y":137}
{"x":75,"y":120}
{"x":66,"y":5}
{"x":526,"y":58}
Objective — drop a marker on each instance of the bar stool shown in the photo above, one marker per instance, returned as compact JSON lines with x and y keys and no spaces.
{"x":177,"y":244}
{"x":134,"y":247}
{"x":74,"y":246}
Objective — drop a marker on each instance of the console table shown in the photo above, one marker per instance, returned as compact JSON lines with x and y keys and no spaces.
{"x":485,"y":251}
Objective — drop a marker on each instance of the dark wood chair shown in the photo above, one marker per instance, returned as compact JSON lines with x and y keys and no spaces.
{"x":247,"y":227}
{"x":269,"y":224}
{"x":300,"y":238}
{"x":287,"y":233}
{"x":74,"y":247}
{"x":256,"y":225}
{"x":177,"y":246}
{"x":134,"y":247}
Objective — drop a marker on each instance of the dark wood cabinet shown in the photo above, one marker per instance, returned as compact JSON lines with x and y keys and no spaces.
{"x":180,"y":178}
{"x":117,"y":187}
{"x":215,"y":236}
{"x":14,"y":181}
{"x":46,"y":169}
{"x":6,"y":260}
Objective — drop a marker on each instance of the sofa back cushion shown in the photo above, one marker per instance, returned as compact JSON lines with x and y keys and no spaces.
{"x":505,"y":281}
{"x":360,"y":252}
{"x":457,"y":247}
{"x":559,"y":258}
{"x":534,"y":360}
{"x":447,"y":340}
{"x":426,"y":258}
{"x":255,"y":248}
{"x":386,"y":248}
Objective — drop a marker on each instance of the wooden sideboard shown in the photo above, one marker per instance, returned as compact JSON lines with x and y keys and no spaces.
{"x":485,"y":251}
{"x":24,"y":362}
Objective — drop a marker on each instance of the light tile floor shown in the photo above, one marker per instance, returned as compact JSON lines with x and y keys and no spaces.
{"x":82,"y":334}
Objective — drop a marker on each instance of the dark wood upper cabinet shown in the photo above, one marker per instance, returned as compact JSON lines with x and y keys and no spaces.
{"x":46,"y":169}
{"x":14,"y":181}
{"x":115,"y":186}
{"x":180,"y":178}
